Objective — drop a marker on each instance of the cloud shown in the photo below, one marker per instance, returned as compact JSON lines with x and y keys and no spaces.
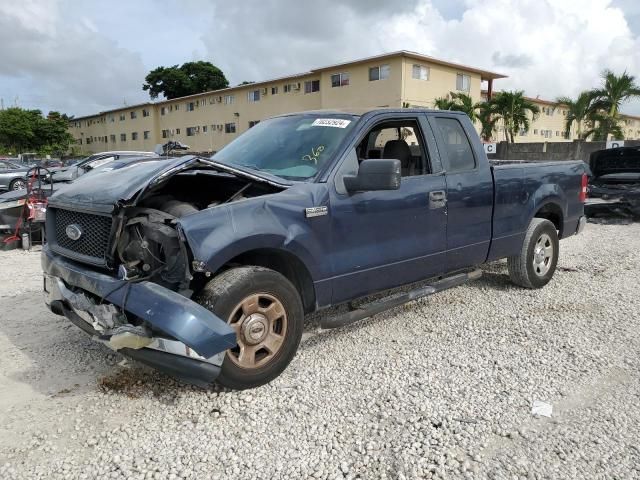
{"x":547,"y":48}
{"x":500,"y":59}
{"x":57,"y":55}
{"x":66,"y":66}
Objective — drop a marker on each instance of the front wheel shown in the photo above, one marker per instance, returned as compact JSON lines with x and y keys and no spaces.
{"x":18,"y":184}
{"x":536,"y":263}
{"x":265,"y":310}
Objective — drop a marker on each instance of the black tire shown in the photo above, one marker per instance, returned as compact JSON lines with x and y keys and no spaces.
{"x":224,"y":294}
{"x":18,"y":181}
{"x":530,"y":268}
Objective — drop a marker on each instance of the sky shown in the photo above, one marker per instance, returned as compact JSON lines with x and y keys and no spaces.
{"x":83,"y":57}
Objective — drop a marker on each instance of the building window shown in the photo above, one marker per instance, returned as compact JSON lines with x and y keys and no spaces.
{"x":191,"y":131}
{"x":523,"y":132}
{"x":340,"y":80}
{"x":287,"y":88}
{"x":163,"y":110}
{"x":311,"y":86}
{"x":228,"y":99}
{"x":145,"y":134}
{"x":253,"y":123}
{"x":134,"y":135}
{"x":229,"y":128}
{"x":205,"y":128}
{"x":379,"y":73}
{"x":165,"y":133}
{"x":253,"y":96}
{"x":420,"y":72}
{"x":177,"y":131}
{"x":123,"y":137}
{"x":145,"y":112}
{"x":176,"y":107}
{"x":274,"y":90}
{"x":133,"y":114}
{"x":112,"y":137}
{"x":122,"y":117}
{"x":535,"y":132}
{"x":463,"y":82}
{"x":190,"y":106}
{"x":112,"y":119}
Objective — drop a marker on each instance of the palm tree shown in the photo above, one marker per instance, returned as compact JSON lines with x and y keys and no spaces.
{"x":488,"y":119}
{"x":459,"y":102}
{"x":612,"y":94}
{"x":514,"y":109}
{"x":581,"y":111}
{"x":443,"y":103}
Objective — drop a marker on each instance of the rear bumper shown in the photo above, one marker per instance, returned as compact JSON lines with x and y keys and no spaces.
{"x":192,"y":341}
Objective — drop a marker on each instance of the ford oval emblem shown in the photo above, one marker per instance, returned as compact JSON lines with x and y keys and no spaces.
{"x":73,"y":231}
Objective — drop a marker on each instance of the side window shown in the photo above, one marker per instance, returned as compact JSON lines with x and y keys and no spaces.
{"x":397,"y":139}
{"x":459,"y":154}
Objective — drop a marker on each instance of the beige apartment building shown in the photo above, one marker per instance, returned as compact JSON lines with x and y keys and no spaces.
{"x":208,"y":121}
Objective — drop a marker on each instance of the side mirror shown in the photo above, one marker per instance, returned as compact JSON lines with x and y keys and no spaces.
{"x":375,"y":174}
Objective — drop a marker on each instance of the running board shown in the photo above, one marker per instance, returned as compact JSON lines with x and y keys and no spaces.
{"x":378,"y":306}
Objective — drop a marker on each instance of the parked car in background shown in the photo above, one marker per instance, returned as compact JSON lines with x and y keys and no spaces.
{"x":205,"y":267}
{"x":71,"y":172}
{"x":12,"y":176}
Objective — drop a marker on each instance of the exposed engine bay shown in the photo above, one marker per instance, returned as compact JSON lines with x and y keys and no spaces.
{"x":614,"y":187}
{"x":149,"y":246}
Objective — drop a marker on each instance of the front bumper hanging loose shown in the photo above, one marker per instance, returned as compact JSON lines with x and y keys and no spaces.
{"x":196,"y":339}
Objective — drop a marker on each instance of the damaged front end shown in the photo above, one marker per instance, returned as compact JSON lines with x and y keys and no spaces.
{"x":123,"y":272}
{"x":614,"y":187}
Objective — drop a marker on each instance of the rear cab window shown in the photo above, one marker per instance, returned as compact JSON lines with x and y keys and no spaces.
{"x":458,"y":152}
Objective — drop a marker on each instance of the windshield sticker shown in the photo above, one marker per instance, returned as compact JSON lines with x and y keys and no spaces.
{"x":331,"y":122}
{"x":315,"y":154}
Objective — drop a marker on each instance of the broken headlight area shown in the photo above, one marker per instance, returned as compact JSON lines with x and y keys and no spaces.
{"x":149,"y":248}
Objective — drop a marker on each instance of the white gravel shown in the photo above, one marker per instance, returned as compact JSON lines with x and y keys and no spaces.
{"x":442,"y":388}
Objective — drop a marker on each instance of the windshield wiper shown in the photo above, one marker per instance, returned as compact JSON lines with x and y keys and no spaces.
{"x":250,"y":167}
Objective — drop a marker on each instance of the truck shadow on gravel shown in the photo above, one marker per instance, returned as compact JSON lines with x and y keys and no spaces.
{"x":51,"y":356}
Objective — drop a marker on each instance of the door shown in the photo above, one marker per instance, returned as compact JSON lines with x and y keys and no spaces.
{"x":469,"y":193}
{"x":384,"y":239}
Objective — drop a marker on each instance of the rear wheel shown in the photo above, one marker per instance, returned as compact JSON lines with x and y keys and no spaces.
{"x":266,"y":312}
{"x":535,"y":265}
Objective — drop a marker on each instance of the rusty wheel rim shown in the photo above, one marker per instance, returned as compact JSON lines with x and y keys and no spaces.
{"x":260,"y":323}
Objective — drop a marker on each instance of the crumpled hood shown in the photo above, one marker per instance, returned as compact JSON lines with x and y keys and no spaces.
{"x":102,"y":192}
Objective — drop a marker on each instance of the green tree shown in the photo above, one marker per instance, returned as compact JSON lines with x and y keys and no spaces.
{"x":614,"y":91}
{"x":579,"y":111}
{"x":515,"y":111}
{"x":22,"y":130}
{"x":488,"y":119}
{"x":186,"y":79}
{"x":458,"y":102}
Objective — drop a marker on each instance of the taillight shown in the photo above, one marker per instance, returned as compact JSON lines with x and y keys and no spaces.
{"x":583,"y":188}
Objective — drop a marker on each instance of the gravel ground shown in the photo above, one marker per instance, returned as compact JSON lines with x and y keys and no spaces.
{"x":442,"y":387}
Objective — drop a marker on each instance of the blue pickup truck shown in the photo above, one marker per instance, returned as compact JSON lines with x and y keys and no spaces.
{"x":204,"y":268}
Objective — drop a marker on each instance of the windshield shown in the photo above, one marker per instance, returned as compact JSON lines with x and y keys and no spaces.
{"x":294,"y":147}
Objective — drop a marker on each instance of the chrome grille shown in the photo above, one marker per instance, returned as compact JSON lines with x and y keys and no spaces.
{"x":94,"y":236}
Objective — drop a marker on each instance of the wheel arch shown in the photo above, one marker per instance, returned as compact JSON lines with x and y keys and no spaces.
{"x":552,"y":211}
{"x":283,"y":262}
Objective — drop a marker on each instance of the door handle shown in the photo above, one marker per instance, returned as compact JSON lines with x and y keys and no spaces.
{"x":437,"y":199}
